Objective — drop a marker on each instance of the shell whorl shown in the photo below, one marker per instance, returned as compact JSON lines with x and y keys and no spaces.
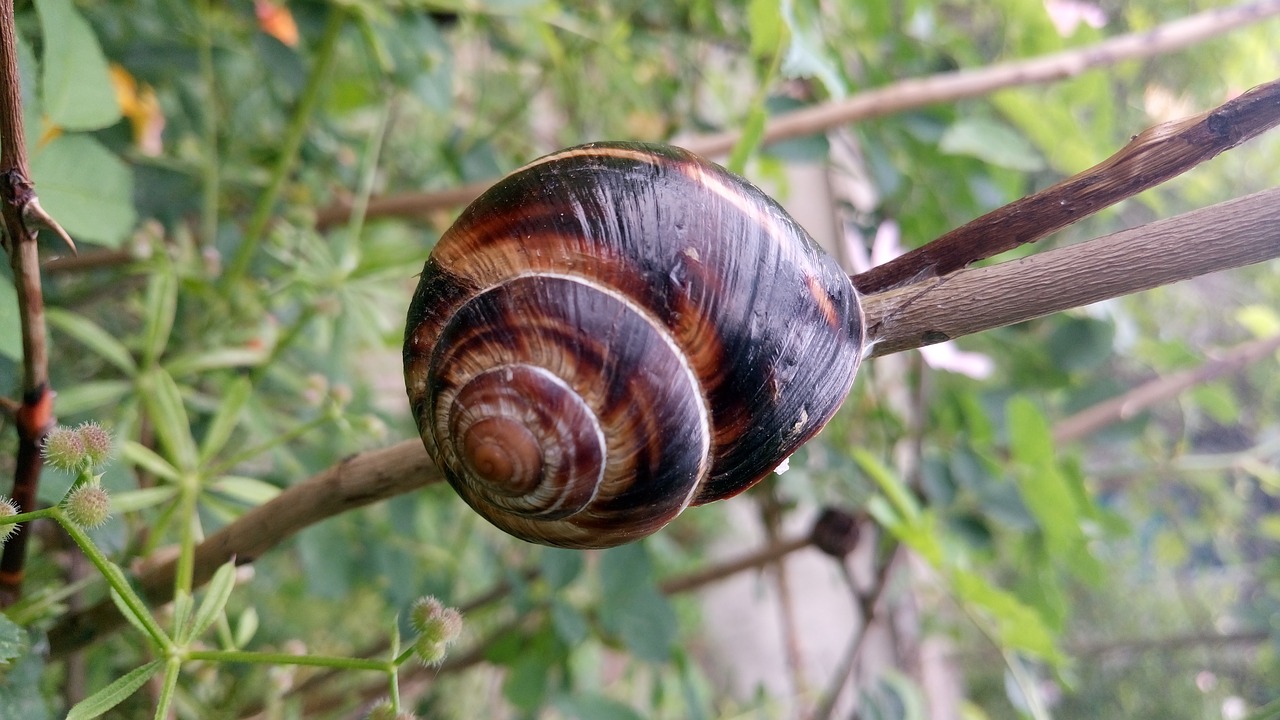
{"x":616,"y":331}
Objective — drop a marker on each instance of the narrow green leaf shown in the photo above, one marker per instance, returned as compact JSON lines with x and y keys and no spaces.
{"x":225,"y":420}
{"x":183,"y":604}
{"x":134,"y":500}
{"x":91,"y":396}
{"x":764,"y":21}
{"x":161,"y":305}
{"x":78,"y":92}
{"x":163,"y":402}
{"x":246,"y":627}
{"x":1018,"y":626}
{"x":93,"y":337}
{"x":215,"y":598}
{"x":145,"y":458}
{"x":899,"y":496}
{"x":246,"y":489}
{"x":87,"y":188}
{"x":115,"y":693}
{"x":215,"y":359}
{"x":128,"y":614}
{"x":749,"y":139}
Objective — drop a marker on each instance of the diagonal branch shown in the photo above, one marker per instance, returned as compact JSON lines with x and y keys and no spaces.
{"x":1153,"y":156}
{"x":1127,"y":405}
{"x":1231,"y":234}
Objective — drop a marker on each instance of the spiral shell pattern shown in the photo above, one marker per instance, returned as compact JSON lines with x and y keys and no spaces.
{"x":617,"y":331}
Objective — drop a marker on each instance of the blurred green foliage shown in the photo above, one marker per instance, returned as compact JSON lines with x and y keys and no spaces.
{"x":239,"y":356}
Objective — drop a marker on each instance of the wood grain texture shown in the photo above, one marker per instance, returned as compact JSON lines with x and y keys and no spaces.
{"x":1227,"y":235}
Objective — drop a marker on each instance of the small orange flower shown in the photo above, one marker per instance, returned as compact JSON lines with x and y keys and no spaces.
{"x":140,"y":105}
{"x":276,"y":21}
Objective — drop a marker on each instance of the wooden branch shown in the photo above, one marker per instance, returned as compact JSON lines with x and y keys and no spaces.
{"x":17,"y":203}
{"x":1231,"y":234}
{"x":892,"y":99}
{"x":1154,"y":156}
{"x":1129,"y":404}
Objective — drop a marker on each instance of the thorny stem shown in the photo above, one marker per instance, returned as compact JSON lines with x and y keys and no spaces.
{"x":35,"y":416}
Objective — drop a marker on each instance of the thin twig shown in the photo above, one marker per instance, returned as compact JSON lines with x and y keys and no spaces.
{"x":1129,"y":404}
{"x":866,"y":602}
{"x":896,"y":98}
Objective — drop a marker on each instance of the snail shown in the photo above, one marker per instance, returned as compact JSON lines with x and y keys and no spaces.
{"x":617,"y":331}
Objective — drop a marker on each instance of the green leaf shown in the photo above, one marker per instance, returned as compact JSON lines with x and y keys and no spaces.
{"x":92,"y":395}
{"x":246,"y":627}
{"x":115,"y":693}
{"x":764,"y":23}
{"x":1260,"y":320}
{"x":631,"y":606}
{"x":134,"y":500}
{"x":1017,"y":626}
{"x":163,"y":402}
{"x":182,"y":606}
{"x":899,"y":496}
{"x":992,"y":142}
{"x":20,"y":684}
{"x":147,"y":459}
{"x":526,"y":683}
{"x":807,"y":52}
{"x":246,"y":489}
{"x":93,"y":337}
{"x":569,"y":624}
{"x":593,"y":706}
{"x":78,"y":92}
{"x":226,"y":418}
{"x":13,"y":641}
{"x":215,"y":359}
{"x":161,"y":307}
{"x":1056,"y":506}
{"x":127,"y":612}
{"x":86,"y":188}
{"x":215,"y":598}
{"x":559,"y":566}
{"x":10,"y":323}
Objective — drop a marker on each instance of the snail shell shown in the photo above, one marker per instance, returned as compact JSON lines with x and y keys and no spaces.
{"x":617,"y":331}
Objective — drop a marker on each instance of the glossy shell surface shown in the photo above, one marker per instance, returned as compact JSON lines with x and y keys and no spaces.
{"x":617,"y":331}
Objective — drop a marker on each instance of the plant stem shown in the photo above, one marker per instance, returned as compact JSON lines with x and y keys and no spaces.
{"x":261,"y":658}
{"x":294,"y":134}
{"x":115,"y":578}
{"x":210,"y":177}
{"x":27,"y":516}
{"x":172,"y":668}
{"x":189,"y":494}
